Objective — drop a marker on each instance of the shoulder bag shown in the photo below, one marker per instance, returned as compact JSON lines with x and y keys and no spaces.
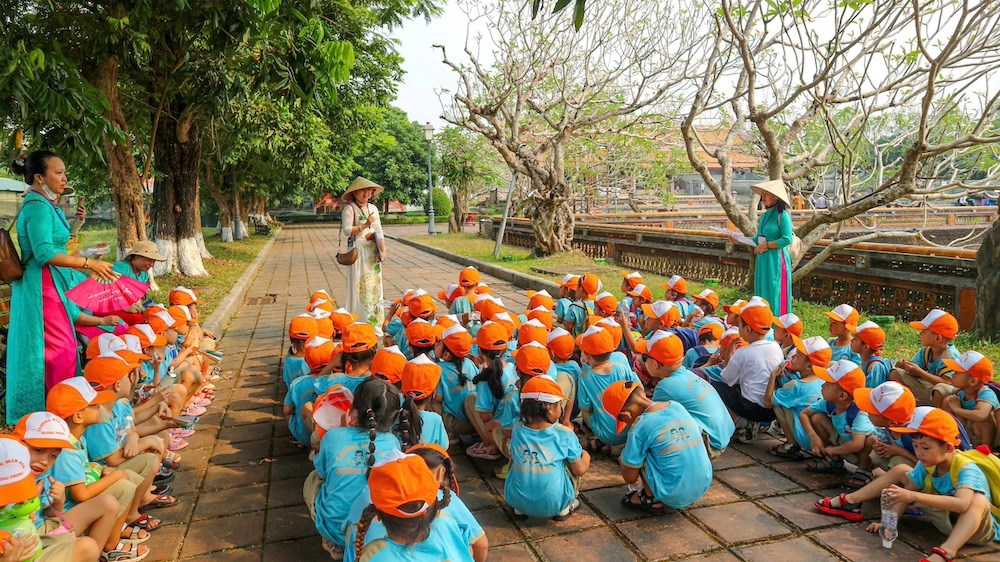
{"x":351,"y":255}
{"x":11,"y":266}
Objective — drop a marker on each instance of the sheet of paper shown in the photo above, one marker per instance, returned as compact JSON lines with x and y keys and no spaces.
{"x":735,"y":235}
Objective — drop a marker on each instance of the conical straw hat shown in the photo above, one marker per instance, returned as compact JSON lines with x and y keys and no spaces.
{"x":360,"y":183}
{"x":774,"y":187}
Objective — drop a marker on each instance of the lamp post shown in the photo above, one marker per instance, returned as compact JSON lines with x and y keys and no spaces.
{"x":429,"y":136}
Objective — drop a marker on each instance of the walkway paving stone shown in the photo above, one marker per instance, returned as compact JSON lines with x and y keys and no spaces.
{"x":240,"y":489}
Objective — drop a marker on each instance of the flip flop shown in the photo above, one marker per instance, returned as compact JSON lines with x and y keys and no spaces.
{"x":147,"y":523}
{"x":161,"y":502}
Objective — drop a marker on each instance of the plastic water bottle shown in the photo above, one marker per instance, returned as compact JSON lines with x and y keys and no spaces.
{"x":890,"y":520}
{"x":123,"y":429}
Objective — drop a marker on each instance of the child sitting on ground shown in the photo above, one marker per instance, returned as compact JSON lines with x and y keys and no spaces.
{"x":494,"y":403}
{"x":791,"y":398}
{"x":301,"y":329}
{"x":676,"y":292}
{"x":530,"y":361}
{"x":927,"y":368}
{"x":457,"y":373}
{"x":836,"y":427}
{"x":786,"y":326}
{"x":297,"y":404}
{"x":599,"y":372}
{"x":358,"y":348}
{"x":546,"y":458}
{"x":567,"y":294}
{"x":840,"y":344}
{"x":665,"y":450}
{"x":421,"y":336}
{"x":575,"y":321}
{"x":417,"y":424}
{"x":949,"y":487}
{"x":728,"y":344}
{"x":968,"y":398}
{"x":889,"y":405}
{"x":707,"y":303}
{"x":629,"y":282}
{"x":708,"y":345}
{"x":868,"y":340}
{"x":641,"y":295}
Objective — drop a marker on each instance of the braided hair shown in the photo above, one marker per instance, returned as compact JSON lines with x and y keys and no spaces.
{"x":407,"y":532}
{"x":492,"y":373}
{"x":448,"y":356}
{"x":434,"y":459}
{"x":375,"y":405}
{"x":410,"y":422}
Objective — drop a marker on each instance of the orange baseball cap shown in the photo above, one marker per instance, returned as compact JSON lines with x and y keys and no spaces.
{"x":133,"y":349}
{"x":359,"y":336}
{"x":729,"y":335}
{"x":612,"y":326}
{"x":104,"y":371}
{"x":757,"y":314}
{"x":321,"y":304}
{"x":596,"y":341}
{"x":709,"y":296}
{"x":183,"y":296}
{"x":483,"y":289}
{"x":446,"y":321}
{"x":492,"y":337}
{"x":147,"y":336}
{"x":845,"y":373}
{"x":341,"y":319}
{"x":469,"y":277}
{"x":318,"y":352}
{"x":844,"y":313}
{"x":939,"y":322}
{"x":432,"y":446}
{"x":890,"y":399}
{"x":561,"y":343}
{"x":615,"y":397}
{"x":319,"y":294}
{"x":421,"y":333}
{"x":161,"y":322}
{"x":330,"y":409}
{"x":43,"y":430}
{"x":180,"y":314}
{"x":666,"y":311}
{"x":641,"y":291}
{"x":570,"y":281}
{"x":665,"y":347}
{"x":735,"y":307}
{"x":607,"y":303}
{"x":789,"y":323}
{"x":532,"y":330}
{"x":104,"y":344}
{"x":398,"y":479}
{"x":507,"y":320}
{"x":676,"y":283}
{"x":420,"y":377}
{"x":713,"y":328}
{"x":591,"y":284}
{"x":74,"y":394}
{"x":303,"y":327}
{"x":421,"y":305}
{"x":324,"y":326}
{"x":17,"y":485}
{"x":871,"y":333}
{"x":633,"y":279}
{"x":388,"y":363}
{"x":975,"y":364}
{"x":543,"y":315}
{"x":543,"y":389}
{"x":151,"y":311}
{"x":532,"y":359}
{"x":458,"y":340}
{"x":490,"y":307}
{"x":450,"y":293}
{"x":932,"y":422}
{"x":816,"y":349}
{"x":540,"y":298}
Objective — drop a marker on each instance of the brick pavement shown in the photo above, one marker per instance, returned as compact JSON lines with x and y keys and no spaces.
{"x":241,"y":481}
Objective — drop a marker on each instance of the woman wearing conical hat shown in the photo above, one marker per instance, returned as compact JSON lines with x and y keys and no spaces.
{"x":772,"y":278}
{"x":360,"y":223}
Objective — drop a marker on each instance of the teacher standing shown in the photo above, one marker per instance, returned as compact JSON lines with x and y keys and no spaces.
{"x":360,"y":226}
{"x":772,"y":277}
{"x":41,"y":344}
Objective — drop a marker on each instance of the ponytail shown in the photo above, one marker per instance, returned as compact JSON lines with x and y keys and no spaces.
{"x":372,"y":434}
{"x":410,"y":422}
{"x":492,"y":373}
{"x":435,"y":459}
{"x":459,"y":363}
{"x":363,"y":525}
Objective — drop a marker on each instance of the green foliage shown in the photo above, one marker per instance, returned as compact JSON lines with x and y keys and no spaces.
{"x":442,"y":204}
{"x":466,"y":163}
{"x":394,"y":155}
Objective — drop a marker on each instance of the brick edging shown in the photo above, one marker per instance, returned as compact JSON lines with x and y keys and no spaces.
{"x":219,"y":319}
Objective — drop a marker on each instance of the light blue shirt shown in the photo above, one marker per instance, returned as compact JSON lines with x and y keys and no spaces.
{"x":876,"y":371}
{"x":620,"y":359}
{"x":862,"y":424}
{"x":986,"y":394}
{"x":395,"y":329}
{"x":667,"y":445}
{"x":701,"y":401}
{"x":70,"y":468}
{"x":577,"y":313}
{"x":432,"y":430}
{"x":924,"y":360}
{"x":562,"y":308}
{"x":342,"y":463}
{"x":329,"y":381}
{"x":452,"y":392}
{"x":104,"y":439}
{"x":691,"y":356}
{"x":460,"y":306}
{"x":590,"y":395}
{"x":685,"y":306}
{"x":445,"y":543}
{"x":147,"y":372}
{"x":506,"y":410}
{"x":797,"y":395}
{"x":303,"y":390}
{"x":293,"y":367}
{"x":571,"y":368}
{"x":538,"y":483}
{"x":970,"y":476}
{"x":843,"y":352}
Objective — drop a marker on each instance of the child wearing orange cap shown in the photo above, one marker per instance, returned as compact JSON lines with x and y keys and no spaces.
{"x":867,"y":343}
{"x":454,"y":296}
{"x":393,"y":324}
{"x":706,"y":304}
{"x":927,"y":368}
{"x":494,"y":403}
{"x":948,"y":485}
{"x":786,"y":326}
{"x":708,"y":345}
{"x":598,"y":372}
{"x":387,"y":364}
{"x":888,"y":405}
{"x":968,"y":398}
{"x":836,"y":427}
{"x":530,"y":361}
{"x":540,"y":299}
{"x":662,"y":355}
{"x":421,"y":376}
{"x":546,"y":459}
{"x":575,"y":319}
{"x":790,"y":398}
{"x":562,"y":350}
{"x":318,"y":353}
{"x":567,"y":295}
{"x":175,"y":367}
{"x":728,"y":344}
{"x":676,"y":292}
{"x":357,"y":349}
{"x":421,"y":336}
{"x":457,"y":373}
{"x":672,"y":467}
{"x":301,"y":329}
{"x":605,"y":305}
{"x":841,"y":318}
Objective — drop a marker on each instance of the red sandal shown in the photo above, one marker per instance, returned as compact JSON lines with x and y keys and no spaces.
{"x":940,"y":552}
{"x":847,"y":510}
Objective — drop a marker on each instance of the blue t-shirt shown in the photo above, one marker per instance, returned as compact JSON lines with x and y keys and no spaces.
{"x":71,"y":468}
{"x":590,"y":395}
{"x":620,"y":359}
{"x":446,"y":542}
{"x":395,"y":329}
{"x":539,"y":483}
{"x":862,"y":424}
{"x":693,"y":355}
{"x":571,"y":368}
{"x":342,"y":463}
{"x":985,"y":394}
{"x":668,"y":444}
{"x":104,"y":439}
{"x":877,"y":371}
{"x":562,"y":308}
{"x":293,"y":367}
{"x":432,"y":430}
{"x":970,"y":476}
{"x":460,"y":306}
{"x":685,"y":306}
{"x":327,"y":382}
{"x":843,"y":352}
{"x":577,"y":313}
{"x":924,"y":359}
{"x":506,"y":410}
{"x":452,"y":393}
{"x":701,"y":401}
{"x":303,"y":390}
{"x":797,"y":395}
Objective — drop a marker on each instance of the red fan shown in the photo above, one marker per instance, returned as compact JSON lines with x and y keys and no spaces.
{"x":104,"y":297}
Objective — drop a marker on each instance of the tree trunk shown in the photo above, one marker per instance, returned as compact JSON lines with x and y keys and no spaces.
{"x":123,"y":176}
{"x":222,"y":200}
{"x":988,"y":284}
{"x":552,"y":219}
{"x":459,"y":208}
{"x":239,"y":215}
{"x":175,"y":197}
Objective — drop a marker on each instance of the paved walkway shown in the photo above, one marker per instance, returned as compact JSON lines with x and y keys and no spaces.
{"x":240,"y":487}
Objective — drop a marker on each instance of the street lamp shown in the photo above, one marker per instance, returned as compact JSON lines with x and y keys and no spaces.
{"x":429,"y":136}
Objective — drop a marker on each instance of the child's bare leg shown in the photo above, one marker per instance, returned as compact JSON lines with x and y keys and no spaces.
{"x":96,"y":517}
{"x":85,"y":549}
{"x":872,"y":490}
{"x":966,"y":525}
{"x":865,"y":455}
{"x":176,"y":399}
{"x":823,"y":426}
{"x":477,"y":423}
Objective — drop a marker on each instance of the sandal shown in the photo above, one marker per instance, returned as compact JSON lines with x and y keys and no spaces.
{"x":178,"y":444}
{"x":485,"y":452}
{"x":502,"y":472}
{"x":825,"y":465}
{"x":566,"y":513}
{"x":125,"y":552}
{"x":859,"y":479}
{"x":134,"y":534}
{"x":147,"y":523}
{"x":161,"y":502}
{"x":940,"y":552}
{"x":170,"y":464}
{"x":789,"y":451}
{"x":596,"y":447}
{"x":847,"y":510}
{"x":645,"y":502}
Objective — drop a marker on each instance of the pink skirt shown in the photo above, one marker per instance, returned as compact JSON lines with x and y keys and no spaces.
{"x":60,"y":340}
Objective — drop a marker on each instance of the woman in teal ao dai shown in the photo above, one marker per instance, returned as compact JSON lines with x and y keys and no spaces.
{"x":772,"y":278}
{"x":41,"y":343}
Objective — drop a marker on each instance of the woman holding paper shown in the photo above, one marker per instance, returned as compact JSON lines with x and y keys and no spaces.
{"x":772,"y":278}
{"x":360,"y":223}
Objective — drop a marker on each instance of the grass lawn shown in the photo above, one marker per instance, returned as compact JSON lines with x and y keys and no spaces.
{"x":901,"y":340}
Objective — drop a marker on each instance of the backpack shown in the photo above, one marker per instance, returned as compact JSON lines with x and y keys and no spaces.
{"x":703,"y":355}
{"x":852,"y":412}
{"x":988,"y":463}
{"x":688,"y":337}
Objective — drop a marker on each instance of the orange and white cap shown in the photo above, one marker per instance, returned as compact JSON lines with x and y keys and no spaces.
{"x":421,"y":304}
{"x":729,"y":335}
{"x":532,"y":359}
{"x":303,"y":327}
{"x":561,"y":343}
{"x":342,"y":318}
{"x":321,"y":314}
{"x":183,"y":296}
{"x":606,"y":302}
{"x":665,"y":347}
{"x":325,"y":305}
{"x":420,"y":377}
{"x":103,"y":344}
{"x":890,"y":399}
{"x":540,"y":298}
{"x":615,"y":397}
{"x":543,"y":389}
{"x":318,"y":352}
{"x":398,"y":479}
{"x":977,"y":365}
{"x":939,"y":322}
{"x":633,"y":279}
{"x":17,"y":485}
{"x":450,"y":292}
{"x":676,"y":283}
{"x":469,"y":277}
{"x":844,"y":313}
{"x":641,"y":291}
{"x":491,"y":307}
{"x":146,"y":335}
{"x":591,"y":284}
{"x":666,"y":311}
{"x":421,"y":333}
{"x":570,"y":281}
{"x":180,"y":314}
{"x":532,"y":331}
{"x":492,"y":336}
{"x":43,"y":430}
{"x":507,"y":320}
{"x":319,"y":294}
{"x":612,"y":325}
{"x":388,"y":363}
{"x":713,"y":328}
{"x":458,"y":340}
{"x":133,"y":349}
{"x":359,"y":336}
{"x":161,"y":321}
{"x":790,"y":323}
{"x":735,"y":307}
{"x":596,"y":341}
{"x":816,"y":349}
{"x":844,"y":373}
{"x":324,"y":324}
{"x":709,"y":296}
{"x":871,"y":333}
{"x":105,"y":370}
{"x":483,"y":289}
{"x":543,"y":315}
{"x":756,"y":313}
{"x":446,"y":321}
{"x":74,"y":394}
{"x":932,"y":422}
